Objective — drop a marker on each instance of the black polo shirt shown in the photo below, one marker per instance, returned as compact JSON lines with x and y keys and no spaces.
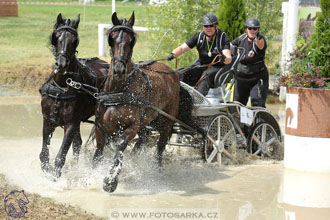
{"x":252,"y":52}
{"x":220,"y":43}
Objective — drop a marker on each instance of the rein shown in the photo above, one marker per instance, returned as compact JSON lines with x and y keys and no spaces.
{"x":208,"y":67}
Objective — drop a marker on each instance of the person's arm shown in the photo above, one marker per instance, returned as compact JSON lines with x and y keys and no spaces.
{"x":260,"y":41}
{"x":227,"y":54}
{"x":181,"y":49}
{"x":226,"y":49}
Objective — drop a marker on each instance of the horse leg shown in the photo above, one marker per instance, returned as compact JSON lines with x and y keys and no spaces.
{"x":70,"y":132}
{"x":143,"y":138}
{"x":110,"y":182}
{"x":76,"y":145}
{"x":100,"y":143}
{"x":165,"y":132}
{"x":47,"y":132}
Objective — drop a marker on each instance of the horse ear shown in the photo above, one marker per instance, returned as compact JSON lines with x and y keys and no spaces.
{"x":115,"y":20}
{"x":132,"y":19}
{"x":77,"y":20}
{"x":314,"y":18}
{"x":59,"y":18}
{"x":309,"y":16}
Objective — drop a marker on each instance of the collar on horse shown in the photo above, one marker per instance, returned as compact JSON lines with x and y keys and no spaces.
{"x":125,"y":96}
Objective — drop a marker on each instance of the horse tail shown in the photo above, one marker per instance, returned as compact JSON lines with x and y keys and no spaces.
{"x":185,"y":106}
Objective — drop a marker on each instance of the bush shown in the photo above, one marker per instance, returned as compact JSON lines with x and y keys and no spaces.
{"x":232,"y":17}
{"x":319,"y":48}
{"x":310,"y":64}
{"x":302,"y":73}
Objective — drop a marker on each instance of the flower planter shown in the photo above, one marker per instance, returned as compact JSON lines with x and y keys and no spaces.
{"x":307,"y":129}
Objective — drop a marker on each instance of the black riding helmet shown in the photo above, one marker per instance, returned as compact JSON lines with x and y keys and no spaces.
{"x":252,"y":23}
{"x":209,"y":19}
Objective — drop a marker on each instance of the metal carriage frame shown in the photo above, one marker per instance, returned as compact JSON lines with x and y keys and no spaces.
{"x":227,"y":125}
{"x":225,"y":131}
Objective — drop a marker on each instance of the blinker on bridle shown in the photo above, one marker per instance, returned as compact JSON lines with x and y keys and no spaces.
{"x":71,"y":30}
{"x":62,"y":52}
{"x":121,"y":28}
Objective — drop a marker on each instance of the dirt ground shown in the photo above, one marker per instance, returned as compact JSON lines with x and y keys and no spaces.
{"x":40,"y":207}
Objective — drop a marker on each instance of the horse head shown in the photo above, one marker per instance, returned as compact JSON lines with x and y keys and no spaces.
{"x":121,"y":40}
{"x":64,"y":40}
{"x":306,"y":27}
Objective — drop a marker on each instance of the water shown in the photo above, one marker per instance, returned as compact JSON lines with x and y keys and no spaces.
{"x":258,"y":190}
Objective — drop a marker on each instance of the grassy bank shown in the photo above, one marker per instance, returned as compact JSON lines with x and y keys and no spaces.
{"x":25,"y":57}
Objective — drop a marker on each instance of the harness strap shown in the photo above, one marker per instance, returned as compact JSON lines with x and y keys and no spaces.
{"x":208,"y":67}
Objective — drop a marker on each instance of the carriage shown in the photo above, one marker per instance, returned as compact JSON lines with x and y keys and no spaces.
{"x":228,"y":125}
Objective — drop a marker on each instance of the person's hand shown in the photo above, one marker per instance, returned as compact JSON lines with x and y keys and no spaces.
{"x":222,"y":57}
{"x":259,"y":35}
{"x":171,"y":56}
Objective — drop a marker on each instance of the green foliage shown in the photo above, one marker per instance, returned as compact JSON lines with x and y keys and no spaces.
{"x":173,"y":24}
{"x":319,"y":48}
{"x":302,"y":73}
{"x":232,"y":17}
{"x":270,"y":16}
{"x":310,"y":63}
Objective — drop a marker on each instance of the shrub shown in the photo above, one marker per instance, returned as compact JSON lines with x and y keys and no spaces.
{"x":310,"y":64}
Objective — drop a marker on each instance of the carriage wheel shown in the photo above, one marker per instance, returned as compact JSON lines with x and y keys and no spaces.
{"x":263,"y":140}
{"x":222,"y":131}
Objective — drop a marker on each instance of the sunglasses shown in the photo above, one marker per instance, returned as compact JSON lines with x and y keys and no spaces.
{"x":206,"y":26}
{"x":253,"y":29}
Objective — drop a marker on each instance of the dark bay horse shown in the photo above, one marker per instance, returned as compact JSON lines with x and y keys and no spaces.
{"x":67,"y":93}
{"x":306,"y":27}
{"x":133,"y":97}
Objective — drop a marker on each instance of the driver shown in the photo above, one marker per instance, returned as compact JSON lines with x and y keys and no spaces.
{"x":211,"y":43}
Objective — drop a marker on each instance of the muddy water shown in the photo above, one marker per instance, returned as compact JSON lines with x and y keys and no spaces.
{"x":258,"y":189}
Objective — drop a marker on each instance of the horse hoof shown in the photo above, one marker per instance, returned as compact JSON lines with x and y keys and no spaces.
{"x":57,"y":173}
{"x":45,"y":167}
{"x":110,"y":185}
{"x":97,"y":162}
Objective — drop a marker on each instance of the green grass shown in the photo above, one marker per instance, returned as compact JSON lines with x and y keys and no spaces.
{"x":25,"y":38}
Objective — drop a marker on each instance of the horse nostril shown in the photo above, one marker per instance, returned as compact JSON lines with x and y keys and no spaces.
{"x":119,"y":69}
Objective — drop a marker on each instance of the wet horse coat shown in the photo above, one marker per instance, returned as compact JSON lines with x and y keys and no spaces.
{"x":129,"y":92}
{"x":64,"y":105}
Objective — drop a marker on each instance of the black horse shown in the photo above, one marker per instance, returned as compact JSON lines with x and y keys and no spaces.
{"x":67,"y":95}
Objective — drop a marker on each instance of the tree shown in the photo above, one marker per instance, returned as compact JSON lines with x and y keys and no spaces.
{"x":174,"y":22}
{"x":232,"y":17}
{"x":319,"y":48}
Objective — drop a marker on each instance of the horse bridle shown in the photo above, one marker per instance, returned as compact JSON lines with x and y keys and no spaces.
{"x":121,"y":28}
{"x":71,"y":30}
